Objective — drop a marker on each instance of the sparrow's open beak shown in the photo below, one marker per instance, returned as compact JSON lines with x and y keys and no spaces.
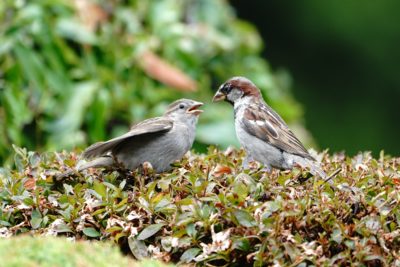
{"x":219,"y":97}
{"x":194,"y":108}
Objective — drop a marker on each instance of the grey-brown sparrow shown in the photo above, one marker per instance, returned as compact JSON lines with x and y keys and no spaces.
{"x":262,"y":133}
{"x":159,"y":141}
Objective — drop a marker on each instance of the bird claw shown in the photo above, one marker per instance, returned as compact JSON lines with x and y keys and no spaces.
{"x":247,"y":163}
{"x":147,"y":168}
{"x":266,"y":169}
{"x":250,"y":164}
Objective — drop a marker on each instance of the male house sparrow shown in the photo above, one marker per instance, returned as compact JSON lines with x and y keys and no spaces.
{"x":261,"y":131}
{"x":159,"y":141}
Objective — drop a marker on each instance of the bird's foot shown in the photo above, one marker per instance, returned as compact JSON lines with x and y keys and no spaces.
{"x":147,"y":168}
{"x":248,"y":163}
{"x":266,"y":168}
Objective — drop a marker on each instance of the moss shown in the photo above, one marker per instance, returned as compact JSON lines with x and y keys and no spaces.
{"x":50,"y":251}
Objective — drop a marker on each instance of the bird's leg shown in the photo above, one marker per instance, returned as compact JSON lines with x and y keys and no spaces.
{"x":147,"y":168}
{"x":249,"y":163}
{"x":246,"y":162}
{"x":266,"y":168}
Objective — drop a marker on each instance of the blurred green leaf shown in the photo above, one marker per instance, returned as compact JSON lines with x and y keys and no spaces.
{"x":244,"y":218}
{"x":36,"y":219}
{"x":91,"y":232}
{"x":76,"y":31}
{"x":72,"y":72}
{"x":138,"y":248}
{"x":149,"y":231}
{"x":337,"y":235}
{"x":189,"y":255}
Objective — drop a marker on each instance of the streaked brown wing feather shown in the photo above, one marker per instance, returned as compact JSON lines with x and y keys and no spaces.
{"x":264,"y":123}
{"x":149,"y":126}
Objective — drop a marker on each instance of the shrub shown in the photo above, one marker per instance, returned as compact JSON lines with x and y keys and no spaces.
{"x":210,"y":211}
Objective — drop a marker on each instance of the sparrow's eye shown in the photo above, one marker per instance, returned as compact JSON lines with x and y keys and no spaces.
{"x":227,"y":88}
{"x":181,"y":106}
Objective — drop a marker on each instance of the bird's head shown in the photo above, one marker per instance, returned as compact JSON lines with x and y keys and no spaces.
{"x":236,"y":88}
{"x":184,"y":109}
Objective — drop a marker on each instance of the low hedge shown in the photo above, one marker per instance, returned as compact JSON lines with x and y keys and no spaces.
{"x":208,"y":210}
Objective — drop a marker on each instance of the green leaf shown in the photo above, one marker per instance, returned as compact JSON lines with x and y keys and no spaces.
{"x":138,"y":248}
{"x":241,"y":190}
{"x":110,"y":186}
{"x":4,"y":223}
{"x":36,"y":219}
{"x":91,"y":232}
{"x":31,"y":64}
{"x":241,"y":244}
{"x":164,"y":202}
{"x":73,"y":115}
{"x":100,"y":188}
{"x":29,"y":201}
{"x":244,"y":218}
{"x":62,"y":228}
{"x":191,"y":229}
{"x":72,"y":29}
{"x":150,"y":231}
{"x":337,"y":235}
{"x":189,"y":255}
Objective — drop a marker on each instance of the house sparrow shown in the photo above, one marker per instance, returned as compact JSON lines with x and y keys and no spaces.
{"x":158,"y":141}
{"x":263,"y":134}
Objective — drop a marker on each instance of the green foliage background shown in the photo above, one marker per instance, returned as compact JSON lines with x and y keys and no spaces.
{"x":344,"y":59}
{"x":67,"y":81}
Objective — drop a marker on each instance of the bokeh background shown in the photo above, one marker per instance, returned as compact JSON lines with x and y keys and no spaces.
{"x":344,"y":60}
{"x":73,"y":72}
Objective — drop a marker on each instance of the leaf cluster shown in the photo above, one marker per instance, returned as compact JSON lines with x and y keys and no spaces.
{"x":209,"y":211}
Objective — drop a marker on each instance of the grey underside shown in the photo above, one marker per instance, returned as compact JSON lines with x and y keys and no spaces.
{"x":263,"y":152}
{"x":271,"y":156}
{"x":159,"y":150}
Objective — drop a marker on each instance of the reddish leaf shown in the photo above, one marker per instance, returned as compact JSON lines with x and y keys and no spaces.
{"x":30,"y":184}
{"x":164,"y":72}
{"x":220,"y":170}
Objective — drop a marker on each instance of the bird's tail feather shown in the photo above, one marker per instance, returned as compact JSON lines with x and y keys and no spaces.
{"x":97,"y":149}
{"x":106,"y":161}
{"x":315,"y":169}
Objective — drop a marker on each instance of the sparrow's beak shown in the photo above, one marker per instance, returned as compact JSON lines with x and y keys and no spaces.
{"x":194,"y":108}
{"x":219,"y":97}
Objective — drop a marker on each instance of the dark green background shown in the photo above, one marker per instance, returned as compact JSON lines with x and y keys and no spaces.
{"x":344,"y":58}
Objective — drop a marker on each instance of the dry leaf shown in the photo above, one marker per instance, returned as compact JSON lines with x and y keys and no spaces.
{"x":220,"y":170}
{"x":30,"y":184}
{"x":164,"y":72}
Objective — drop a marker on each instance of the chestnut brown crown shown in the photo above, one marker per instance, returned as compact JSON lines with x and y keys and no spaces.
{"x":242,"y":84}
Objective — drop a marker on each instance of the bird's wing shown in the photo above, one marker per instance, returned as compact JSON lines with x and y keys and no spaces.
{"x":149,"y":126}
{"x":264,"y":123}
